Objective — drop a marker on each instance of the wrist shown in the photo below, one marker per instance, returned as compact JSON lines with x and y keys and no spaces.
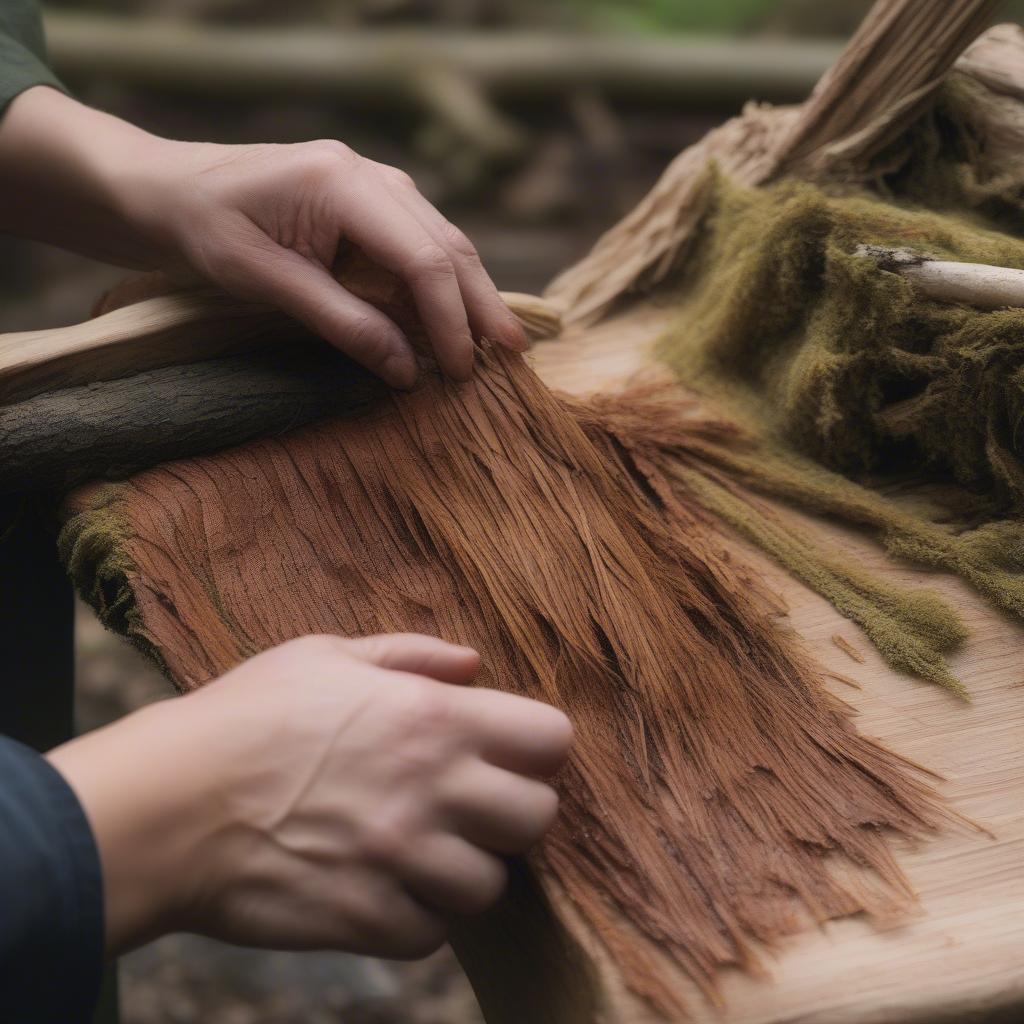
{"x":68,"y":174}
{"x":148,"y":793}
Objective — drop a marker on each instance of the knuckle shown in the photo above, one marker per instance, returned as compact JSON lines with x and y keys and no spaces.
{"x":429,"y":261}
{"x":398,"y":176}
{"x":385,"y":839}
{"x":424,"y":708}
{"x":459,"y":242}
{"x":328,"y":156}
{"x":303,"y":650}
{"x":318,"y":646}
{"x":334,"y":149}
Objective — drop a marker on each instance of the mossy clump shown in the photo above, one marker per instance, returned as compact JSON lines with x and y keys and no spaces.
{"x":849,"y":381}
{"x":844,"y":362}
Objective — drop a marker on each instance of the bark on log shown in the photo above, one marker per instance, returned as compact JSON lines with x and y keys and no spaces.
{"x":111,"y":429}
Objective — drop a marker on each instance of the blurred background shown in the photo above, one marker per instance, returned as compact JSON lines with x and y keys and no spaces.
{"x":533,"y":124}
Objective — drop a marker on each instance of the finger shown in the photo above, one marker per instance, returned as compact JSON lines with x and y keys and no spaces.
{"x":489,"y":316}
{"x":306,"y":291}
{"x":447,"y":873}
{"x":391,"y":922}
{"x":419,"y":654}
{"x":516,"y":733}
{"x":496,"y":809}
{"x":389,"y":235}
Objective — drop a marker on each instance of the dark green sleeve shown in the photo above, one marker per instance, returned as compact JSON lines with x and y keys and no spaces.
{"x":22,"y":50}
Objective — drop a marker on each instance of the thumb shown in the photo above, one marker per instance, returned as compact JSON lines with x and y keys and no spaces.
{"x":419,"y":654}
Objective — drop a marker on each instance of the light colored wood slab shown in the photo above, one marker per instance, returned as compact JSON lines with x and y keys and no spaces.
{"x":160,"y":331}
{"x":165,"y":328}
{"x":961,"y":958}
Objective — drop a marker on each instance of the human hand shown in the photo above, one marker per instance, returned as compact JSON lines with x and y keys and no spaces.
{"x":327,"y":793}
{"x":263,"y":222}
{"x":266,"y":223}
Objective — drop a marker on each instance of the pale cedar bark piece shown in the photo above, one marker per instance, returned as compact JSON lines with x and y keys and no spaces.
{"x":880,"y":84}
{"x":147,"y":323}
{"x":848,"y":649}
{"x":715,"y":790}
{"x":160,"y":331}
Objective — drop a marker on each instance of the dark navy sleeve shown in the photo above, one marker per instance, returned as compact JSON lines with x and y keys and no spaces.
{"x":51,"y":896}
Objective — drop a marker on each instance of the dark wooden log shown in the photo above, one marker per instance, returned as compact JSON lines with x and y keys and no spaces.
{"x":109,"y":429}
{"x":386,"y":67}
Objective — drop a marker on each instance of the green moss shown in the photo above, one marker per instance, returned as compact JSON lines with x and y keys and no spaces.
{"x":912,"y":630}
{"x":839,"y":360}
{"x":844,"y":375}
{"x":92,"y":545}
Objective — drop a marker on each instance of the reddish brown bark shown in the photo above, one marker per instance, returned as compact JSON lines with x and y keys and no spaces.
{"x":714,"y":787}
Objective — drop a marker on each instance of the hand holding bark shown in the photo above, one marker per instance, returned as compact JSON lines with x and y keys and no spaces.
{"x":328,"y":793}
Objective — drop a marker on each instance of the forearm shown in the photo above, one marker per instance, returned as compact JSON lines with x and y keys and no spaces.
{"x":65,"y":177}
{"x":152,"y":812}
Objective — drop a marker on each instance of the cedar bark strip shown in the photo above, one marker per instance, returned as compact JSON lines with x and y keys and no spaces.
{"x":715,"y":793}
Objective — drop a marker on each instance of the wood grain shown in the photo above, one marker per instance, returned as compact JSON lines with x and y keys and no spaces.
{"x":159,"y":331}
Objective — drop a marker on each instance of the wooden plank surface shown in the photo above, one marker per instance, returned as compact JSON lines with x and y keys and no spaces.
{"x":961,"y":956}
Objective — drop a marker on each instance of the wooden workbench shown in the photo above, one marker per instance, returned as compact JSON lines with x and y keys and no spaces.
{"x":961,"y":957}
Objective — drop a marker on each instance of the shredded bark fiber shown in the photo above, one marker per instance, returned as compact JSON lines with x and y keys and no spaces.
{"x":717,"y":797}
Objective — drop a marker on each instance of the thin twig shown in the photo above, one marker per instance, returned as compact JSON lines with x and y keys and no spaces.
{"x":972,"y":284}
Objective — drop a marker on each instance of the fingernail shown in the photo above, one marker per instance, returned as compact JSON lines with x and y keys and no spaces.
{"x":462,"y":364}
{"x":400,"y":370}
{"x":515,"y":336}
